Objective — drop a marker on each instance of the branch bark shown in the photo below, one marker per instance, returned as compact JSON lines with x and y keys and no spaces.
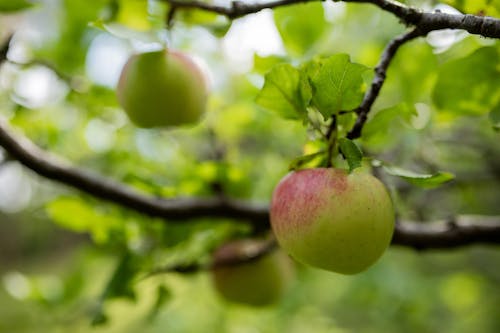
{"x":459,"y":232}
{"x":425,"y":21}
{"x":51,"y":167}
{"x":237,"y":8}
{"x":428,"y":21}
{"x":379,"y":79}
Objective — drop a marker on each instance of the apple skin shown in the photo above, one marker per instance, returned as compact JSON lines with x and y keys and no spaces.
{"x":259,"y":282}
{"x":162,"y":88}
{"x":331,"y":219}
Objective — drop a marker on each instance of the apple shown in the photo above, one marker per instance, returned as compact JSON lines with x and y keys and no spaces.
{"x":258,"y":282}
{"x":162,"y":88}
{"x":332,"y":219}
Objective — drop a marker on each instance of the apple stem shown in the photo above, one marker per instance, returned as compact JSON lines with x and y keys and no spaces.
{"x":331,"y":137}
{"x":169,"y":17}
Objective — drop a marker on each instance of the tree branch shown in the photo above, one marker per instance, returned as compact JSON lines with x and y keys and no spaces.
{"x":237,"y":8}
{"x":60,"y":171}
{"x":379,"y":79}
{"x":459,"y":232}
{"x":425,"y":21}
{"x":428,"y":21}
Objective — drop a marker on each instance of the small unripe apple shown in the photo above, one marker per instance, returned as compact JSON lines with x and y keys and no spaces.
{"x":331,"y":219}
{"x":162,"y":88}
{"x":258,"y":282}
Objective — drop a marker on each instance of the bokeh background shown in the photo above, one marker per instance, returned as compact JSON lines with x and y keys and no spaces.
{"x":59,"y":248}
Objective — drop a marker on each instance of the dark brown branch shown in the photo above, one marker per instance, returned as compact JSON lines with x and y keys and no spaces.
{"x":425,"y":21}
{"x":458,"y":231}
{"x":422,"y":235}
{"x":237,"y":8}
{"x":260,"y":249}
{"x":429,"y":21}
{"x":60,"y":171}
{"x":379,"y":79}
{"x":233,"y":253}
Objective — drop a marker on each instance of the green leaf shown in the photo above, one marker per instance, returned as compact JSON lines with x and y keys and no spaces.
{"x":351,"y":152}
{"x":422,"y":180}
{"x":284,"y":92}
{"x":198,"y":17}
{"x":77,"y":215}
{"x":345,"y":123}
{"x":7,"y":6}
{"x":337,"y":84}
{"x":218,"y":25}
{"x":163,"y":296}
{"x":265,"y":64}
{"x":120,"y":282}
{"x":71,"y":214}
{"x":118,"y":286}
{"x":301,"y":26}
{"x":411,"y":81}
{"x":469,"y":86}
{"x":121,"y":31}
{"x":299,"y":162}
{"x":99,"y":317}
{"x":378,"y":128}
{"x":495,"y":117}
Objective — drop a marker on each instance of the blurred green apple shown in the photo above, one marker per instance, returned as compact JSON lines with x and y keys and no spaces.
{"x":258,"y":282}
{"x":331,"y":219}
{"x":162,"y":88}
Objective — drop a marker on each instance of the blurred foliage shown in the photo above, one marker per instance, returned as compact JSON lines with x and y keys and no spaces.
{"x":477,"y":7}
{"x":68,"y":260}
{"x":479,"y":73}
{"x":300,"y":27}
{"x":14,"y":5}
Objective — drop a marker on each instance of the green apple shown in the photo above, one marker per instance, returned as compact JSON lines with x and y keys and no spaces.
{"x":162,"y":88}
{"x":258,"y":282}
{"x":331,"y":219}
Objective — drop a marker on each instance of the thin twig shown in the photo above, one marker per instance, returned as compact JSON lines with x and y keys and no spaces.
{"x":379,"y":79}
